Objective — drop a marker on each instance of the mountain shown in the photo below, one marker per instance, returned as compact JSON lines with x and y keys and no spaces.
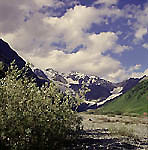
{"x":8,"y":55}
{"x":101,"y":91}
{"x":128,"y":84}
{"x":133,"y":101}
{"x":99,"y":88}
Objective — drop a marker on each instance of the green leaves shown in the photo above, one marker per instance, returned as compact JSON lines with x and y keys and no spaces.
{"x":32,"y":116}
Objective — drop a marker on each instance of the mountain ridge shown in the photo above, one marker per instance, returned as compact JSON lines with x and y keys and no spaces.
{"x":8,"y":55}
{"x":101,"y":90}
{"x":133,"y":101}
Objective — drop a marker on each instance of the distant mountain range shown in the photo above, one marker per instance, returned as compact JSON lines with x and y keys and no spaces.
{"x":101,"y":91}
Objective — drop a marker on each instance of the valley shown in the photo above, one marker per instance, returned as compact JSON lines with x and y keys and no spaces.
{"x":74,"y":75}
{"x":114,"y":115}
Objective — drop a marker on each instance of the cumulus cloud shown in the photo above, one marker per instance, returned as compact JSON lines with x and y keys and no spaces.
{"x":12,"y":13}
{"x":106,"y":2}
{"x":49,"y":41}
{"x":142,"y":16}
{"x":58,"y":8}
{"x":89,"y":59}
{"x":40,"y":3}
{"x":118,"y":75}
{"x":146,"y":72}
{"x":137,"y":19}
{"x":139,"y":74}
{"x":140,"y":33}
{"x":38,"y":35}
{"x":41,"y":32}
{"x":10,"y":16}
{"x":145,"y":45}
{"x":119,"y":49}
{"x":102,"y":42}
{"x":72,"y":27}
{"x":83,"y":61}
{"x":136,"y":67}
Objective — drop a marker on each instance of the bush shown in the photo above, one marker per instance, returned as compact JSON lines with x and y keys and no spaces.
{"x":33,"y":117}
{"x":2,"y":68}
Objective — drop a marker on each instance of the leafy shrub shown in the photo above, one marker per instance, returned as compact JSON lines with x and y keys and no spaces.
{"x":2,"y":68}
{"x":33,"y":117}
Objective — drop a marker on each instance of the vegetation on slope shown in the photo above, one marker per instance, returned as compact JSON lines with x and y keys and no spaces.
{"x":134,"y":101}
{"x":3,"y":69}
{"x":33,"y":117}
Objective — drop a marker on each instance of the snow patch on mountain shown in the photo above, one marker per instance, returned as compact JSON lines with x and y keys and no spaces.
{"x":116,"y":90}
{"x":108,"y":99}
{"x":101,"y":91}
{"x":70,"y":81}
{"x":115,"y":93}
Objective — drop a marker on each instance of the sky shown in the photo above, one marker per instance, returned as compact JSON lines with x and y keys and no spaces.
{"x":107,"y":38}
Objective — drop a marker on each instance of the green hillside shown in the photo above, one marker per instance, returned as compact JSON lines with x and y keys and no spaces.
{"x":134,"y":101}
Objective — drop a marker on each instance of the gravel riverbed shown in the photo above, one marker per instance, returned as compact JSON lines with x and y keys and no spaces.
{"x":102,"y":132}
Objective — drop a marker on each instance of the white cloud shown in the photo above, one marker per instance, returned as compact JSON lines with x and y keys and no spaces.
{"x":30,"y":36}
{"x":139,"y":74}
{"x":102,"y":42}
{"x":40,"y":3}
{"x":120,"y":49}
{"x":72,"y":27}
{"x":138,"y":20}
{"x":105,"y":41}
{"x":145,"y":45}
{"x":136,"y":67}
{"x":140,"y":33}
{"x":106,"y":2}
{"x":35,"y":39}
{"x":12,"y":13}
{"x":146,"y":72}
{"x":88,"y":60}
{"x":118,"y":75}
{"x":142,"y":16}
{"x":40,"y":32}
{"x":83,"y":61}
{"x":10,"y":16}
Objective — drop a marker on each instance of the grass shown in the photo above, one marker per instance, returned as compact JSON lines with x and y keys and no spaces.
{"x":122,"y":131}
{"x":134,"y":102}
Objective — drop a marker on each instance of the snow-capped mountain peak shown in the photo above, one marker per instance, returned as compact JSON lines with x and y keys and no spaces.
{"x":101,"y":91}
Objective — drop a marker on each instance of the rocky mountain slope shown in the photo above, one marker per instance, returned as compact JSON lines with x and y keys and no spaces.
{"x":101,"y":91}
{"x":8,"y":55}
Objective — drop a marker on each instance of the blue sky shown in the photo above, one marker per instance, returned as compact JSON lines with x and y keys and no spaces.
{"x":107,"y":38}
